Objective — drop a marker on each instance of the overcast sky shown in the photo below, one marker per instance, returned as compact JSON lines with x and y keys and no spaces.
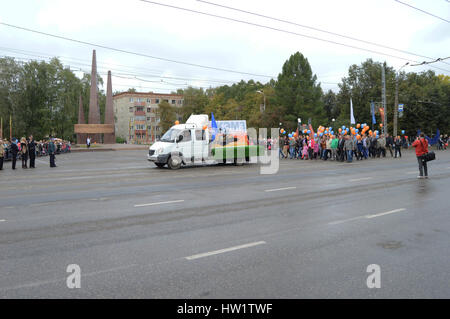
{"x":168,"y":33}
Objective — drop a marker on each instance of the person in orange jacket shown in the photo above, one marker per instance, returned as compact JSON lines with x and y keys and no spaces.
{"x":421,"y":145}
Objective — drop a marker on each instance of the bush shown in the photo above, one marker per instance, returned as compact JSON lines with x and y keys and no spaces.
{"x":120,"y":140}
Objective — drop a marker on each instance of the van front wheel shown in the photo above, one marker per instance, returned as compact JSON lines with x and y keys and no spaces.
{"x":174,"y":162}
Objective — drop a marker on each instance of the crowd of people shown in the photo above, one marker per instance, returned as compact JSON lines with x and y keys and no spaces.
{"x":339,"y":148}
{"x":27,"y":149}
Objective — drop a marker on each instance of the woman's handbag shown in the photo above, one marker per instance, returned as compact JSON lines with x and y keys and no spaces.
{"x":430,"y":156}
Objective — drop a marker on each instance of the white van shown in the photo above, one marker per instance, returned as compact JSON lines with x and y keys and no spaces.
{"x":182,"y":143}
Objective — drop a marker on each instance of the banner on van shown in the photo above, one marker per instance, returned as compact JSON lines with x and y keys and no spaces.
{"x":232,"y":126}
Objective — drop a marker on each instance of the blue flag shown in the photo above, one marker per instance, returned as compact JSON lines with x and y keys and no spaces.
{"x":213,"y":126}
{"x":372,"y":110}
{"x":435,"y":139}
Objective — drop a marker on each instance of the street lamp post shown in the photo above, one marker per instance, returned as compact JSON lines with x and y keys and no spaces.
{"x":264,"y":97}
{"x":396,"y":100}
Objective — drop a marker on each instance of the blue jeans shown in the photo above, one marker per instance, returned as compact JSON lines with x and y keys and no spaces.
{"x":349,"y":156}
{"x":291,"y":152}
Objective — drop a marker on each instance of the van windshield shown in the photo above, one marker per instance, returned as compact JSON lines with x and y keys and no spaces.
{"x":170,"y":135}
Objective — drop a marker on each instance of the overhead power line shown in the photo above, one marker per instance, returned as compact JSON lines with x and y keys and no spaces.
{"x":315,"y":29}
{"x":430,"y":14}
{"x":284,"y":31}
{"x":430,"y":62}
{"x":119,"y":71}
{"x":131,"y":52}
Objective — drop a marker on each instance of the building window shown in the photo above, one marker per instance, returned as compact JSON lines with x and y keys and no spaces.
{"x":139,"y":109}
{"x":148,"y":118}
{"x":180,"y":102}
{"x":131,"y":99}
{"x":173,"y":101}
{"x":149,"y":101}
{"x":157,"y":128}
{"x":149,"y":109}
{"x":131,"y":109}
{"x":157,"y":101}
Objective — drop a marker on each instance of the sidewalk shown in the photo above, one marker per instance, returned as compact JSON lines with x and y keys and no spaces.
{"x":108,"y":147}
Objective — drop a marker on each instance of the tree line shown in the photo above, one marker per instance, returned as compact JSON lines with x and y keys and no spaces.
{"x":42,"y":98}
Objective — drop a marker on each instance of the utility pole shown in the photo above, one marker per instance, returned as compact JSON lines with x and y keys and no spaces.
{"x":396,"y":100}
{"x":383,"y":96}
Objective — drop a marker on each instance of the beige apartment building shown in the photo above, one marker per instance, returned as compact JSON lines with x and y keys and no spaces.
{"x":137,"y":117}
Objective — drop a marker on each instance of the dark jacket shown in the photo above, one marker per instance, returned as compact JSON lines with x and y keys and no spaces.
{"x":51,"y":148}
{"x":32,"y":148}
{"x":14,"y":149}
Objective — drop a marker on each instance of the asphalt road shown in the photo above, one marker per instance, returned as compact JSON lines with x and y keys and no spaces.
{"x":309,"y":231}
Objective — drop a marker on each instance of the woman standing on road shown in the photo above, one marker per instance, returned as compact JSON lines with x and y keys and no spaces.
{"x":24,"y":152}
{"x":421,"y":145}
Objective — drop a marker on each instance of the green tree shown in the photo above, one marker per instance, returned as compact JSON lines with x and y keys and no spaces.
{"x":299,"y":94}
{"x":167,"y":116}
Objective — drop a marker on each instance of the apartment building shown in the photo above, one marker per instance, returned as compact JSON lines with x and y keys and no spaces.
{"x":137,"y":116}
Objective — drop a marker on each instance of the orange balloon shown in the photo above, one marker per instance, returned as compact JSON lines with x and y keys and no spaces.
{"x":177,"y":122}
{"x":381,"y":125}
{"x":205,"y":127}
{"x":358,"y":125}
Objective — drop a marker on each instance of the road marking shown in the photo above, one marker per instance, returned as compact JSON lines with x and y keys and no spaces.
{"x":345,"y":220}
{"x":386,"y":213}
{"x":221,"y":251}
{"x":411,"y":172}
{"x":280,"y":189}
{"x":367,"y":216}
{"x":160,"y":203}
{"x":360,"y":179}
{"x":2,"y":220}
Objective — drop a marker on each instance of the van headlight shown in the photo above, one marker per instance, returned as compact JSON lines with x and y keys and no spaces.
{"x":159,"y":150}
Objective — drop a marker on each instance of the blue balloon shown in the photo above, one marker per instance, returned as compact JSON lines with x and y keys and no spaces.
{"x":321,"y":134}
{"x":356,"y":130}
{"x":315,"y":134}
{"x":403,"y":131}
{"x":308,"y":131}
{"x":290,"y":135}
{"x":343,"y":127}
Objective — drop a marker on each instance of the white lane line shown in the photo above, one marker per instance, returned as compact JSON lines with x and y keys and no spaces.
{"x":360,"y":179}
{"x":280,"y":189}
{"x":345,"y":220}
{"x":221,"y":251}
{"x":386,"y":213}
{"x":2,"y":220}
{"x":160,"y":203}
{"x":412,"y":172}
{"x":367,"y":216}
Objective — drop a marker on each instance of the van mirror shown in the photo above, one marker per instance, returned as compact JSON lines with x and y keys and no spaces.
{"x":180,"y":138}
